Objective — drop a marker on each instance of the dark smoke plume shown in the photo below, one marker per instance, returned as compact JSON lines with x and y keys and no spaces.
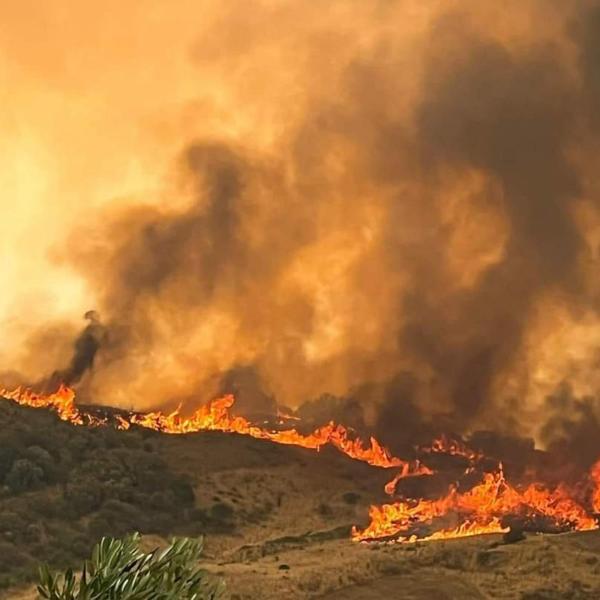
{"x":403,"y":246}
{"x":85,"y":348}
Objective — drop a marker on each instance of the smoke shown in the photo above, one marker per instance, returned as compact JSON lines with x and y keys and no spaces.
{"x":390,"y":205}
{"x":511,"y":119}
{"x":85,"y":348}
{"x":572,"y":426}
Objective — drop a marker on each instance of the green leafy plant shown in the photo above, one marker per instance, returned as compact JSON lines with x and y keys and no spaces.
{"x":119,"y":570}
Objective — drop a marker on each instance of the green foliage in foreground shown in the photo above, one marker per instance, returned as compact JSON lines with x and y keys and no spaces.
{"x":119,"y":570}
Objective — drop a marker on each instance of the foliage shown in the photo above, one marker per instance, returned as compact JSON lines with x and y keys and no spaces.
{"x":119,"y":570}
{"x":24,"y":475}
{"x":62,"y":488}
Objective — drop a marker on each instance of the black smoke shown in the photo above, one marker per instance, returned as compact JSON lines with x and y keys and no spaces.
{"x":254,"y":257}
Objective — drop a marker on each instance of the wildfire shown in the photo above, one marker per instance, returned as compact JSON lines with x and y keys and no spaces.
{"x":216,"y":416}
{"x":62,"y":401}
{"x":418,"y":469}
{"x":479,"y":510}
{"x":447,"y":445}
{"x":595,"y":477}
{"x":485,"y":508}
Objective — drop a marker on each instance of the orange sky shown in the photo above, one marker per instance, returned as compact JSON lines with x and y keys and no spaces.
{"x":100,"y":98}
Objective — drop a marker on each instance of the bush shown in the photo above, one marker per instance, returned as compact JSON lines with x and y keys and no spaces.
{"x":84,"y":496}
{"x":8,"y":455}
{"x":221,"y":512}
{"x":43,"y":459}
{"x":24,"y":475}
{"x":119,"y":570}
{"x":183,"y":491}
{"x":62,"y":488}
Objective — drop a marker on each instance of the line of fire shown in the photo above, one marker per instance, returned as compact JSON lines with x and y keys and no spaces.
{"x":480,"y":500}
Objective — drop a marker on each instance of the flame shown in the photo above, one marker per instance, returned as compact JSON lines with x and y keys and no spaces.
{"x":479,"y":510}
{"x":482,"y":509}
{"x":447,"y":445}
{"x":284,"y":416}
{"x":62,"y":402}
{"x":441,"y":445}
{"x":595,"y":478}
{"x":215,"y":416}
{"x":418,"y":469}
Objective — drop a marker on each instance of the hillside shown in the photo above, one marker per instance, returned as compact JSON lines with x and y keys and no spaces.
{"x":276,"y":518}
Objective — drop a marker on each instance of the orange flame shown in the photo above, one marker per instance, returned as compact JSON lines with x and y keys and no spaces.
{"x":215,"y":416}
{"x":479,"y":510}
{"x":595,"y":478}
{"x":418,"y":469}
{"x":62,"y":401}
{"x":447,"y":445}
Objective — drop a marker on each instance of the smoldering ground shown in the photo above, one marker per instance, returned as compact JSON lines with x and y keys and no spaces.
{"x":414,"y":232}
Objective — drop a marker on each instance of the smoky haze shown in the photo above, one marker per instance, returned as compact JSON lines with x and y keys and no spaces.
{"x":389,"y":205}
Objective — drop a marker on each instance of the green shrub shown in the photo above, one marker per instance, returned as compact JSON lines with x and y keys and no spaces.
{"x":44,"y":460}
{"x":62,"y":488}
{"x":8,"y":455}
{"x":85,"y":496}
{"x":24,"y":475}
{"x":119,"y":570}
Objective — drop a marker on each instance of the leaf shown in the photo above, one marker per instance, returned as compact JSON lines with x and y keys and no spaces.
{"x":119,"y":570}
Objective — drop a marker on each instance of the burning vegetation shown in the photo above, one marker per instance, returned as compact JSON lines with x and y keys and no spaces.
{"x":481,"y":499}
{"x":375,"y":225}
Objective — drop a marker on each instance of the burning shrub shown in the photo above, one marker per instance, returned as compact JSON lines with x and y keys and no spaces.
{"x":119,"y":569}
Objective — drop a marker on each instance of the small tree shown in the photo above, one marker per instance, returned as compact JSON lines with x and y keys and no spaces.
{"x":119,"y":570}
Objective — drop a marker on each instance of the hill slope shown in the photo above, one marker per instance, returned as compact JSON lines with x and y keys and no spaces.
{"x":277,"y":518}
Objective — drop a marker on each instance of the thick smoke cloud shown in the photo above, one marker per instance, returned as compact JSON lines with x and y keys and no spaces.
{"x":411,"y":229}
{"x":512,"y":119}
{"x":572,"y":426}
